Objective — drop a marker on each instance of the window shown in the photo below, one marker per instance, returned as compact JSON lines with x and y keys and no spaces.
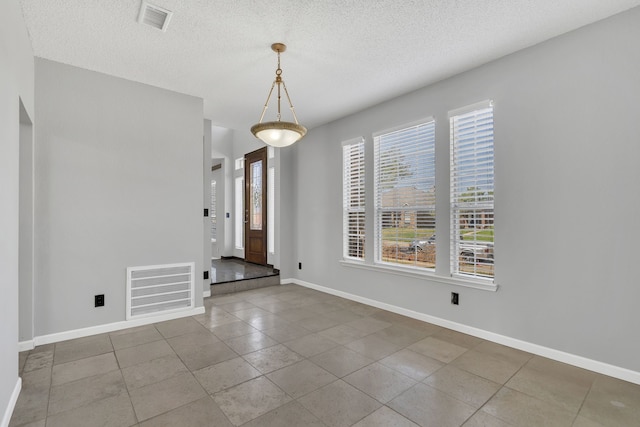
{"x":271,"y":206}
{"x":213,"y":215}
{"x":255,"y":208}
{"x":403,"y":218}
{"x":239,"y":163}
{"x":472,"y":191}
{"x":353,"y":200}
{"x":239,"y":213}
{"x":404,"y":196}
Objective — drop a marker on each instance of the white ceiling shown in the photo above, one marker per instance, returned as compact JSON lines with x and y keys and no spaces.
{"x":342,"y":56}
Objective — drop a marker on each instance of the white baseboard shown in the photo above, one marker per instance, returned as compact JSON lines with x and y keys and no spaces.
{"x":206,"y":294}
{"x":26,"y":345}
{"x":116,"y":326}
{"x":8,"y":412}
{"x":560,"y":356}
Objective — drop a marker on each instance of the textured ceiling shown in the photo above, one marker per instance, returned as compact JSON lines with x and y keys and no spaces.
{"x":342,"y":56}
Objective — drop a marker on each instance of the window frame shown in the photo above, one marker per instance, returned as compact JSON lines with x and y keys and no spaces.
{"x":271,"y":209}
{"x":348,"y":209}
{"x":238,"y":232}
{"x":487,"y":193}
{"x":441,"y":273}
{"x":380,"y":212}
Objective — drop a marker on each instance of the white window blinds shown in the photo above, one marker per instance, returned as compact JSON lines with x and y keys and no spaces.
{"x":353,"y":200}
{"x":404,"y":197}
{"x":472,"y":226}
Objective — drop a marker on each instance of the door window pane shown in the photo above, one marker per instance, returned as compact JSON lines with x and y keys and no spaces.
{"x":256,"y":196}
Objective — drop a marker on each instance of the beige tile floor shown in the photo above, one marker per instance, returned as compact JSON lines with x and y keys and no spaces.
{"x":290,"y":356}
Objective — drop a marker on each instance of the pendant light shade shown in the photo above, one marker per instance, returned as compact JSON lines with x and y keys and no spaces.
{"x":278,"y":133}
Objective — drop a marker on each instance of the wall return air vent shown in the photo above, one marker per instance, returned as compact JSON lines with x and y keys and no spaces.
{"x":159,"y":289}
{"x":155,"y":16}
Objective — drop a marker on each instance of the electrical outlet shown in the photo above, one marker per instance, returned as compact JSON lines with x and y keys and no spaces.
{"x":99,"y":300}
{"x":299,"y":266}
{"x":454,"y":298}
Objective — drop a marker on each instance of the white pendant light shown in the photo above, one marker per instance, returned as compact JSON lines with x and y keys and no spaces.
{"x":278,"y":133}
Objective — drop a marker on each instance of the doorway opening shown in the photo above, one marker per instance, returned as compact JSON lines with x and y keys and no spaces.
{"x":216,"y":211}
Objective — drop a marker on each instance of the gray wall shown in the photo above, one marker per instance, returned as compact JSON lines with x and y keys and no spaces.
{"x":26,"y":249}
{"x":566,"y":148}
{"x":287,"y":225}
{"x":16,"y":83}
{"x":118,"y":183}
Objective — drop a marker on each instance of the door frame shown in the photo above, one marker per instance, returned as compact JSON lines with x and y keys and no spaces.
{"x":255,"y":241}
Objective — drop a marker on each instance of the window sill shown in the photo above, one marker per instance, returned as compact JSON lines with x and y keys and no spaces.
{"x":485,"y":285}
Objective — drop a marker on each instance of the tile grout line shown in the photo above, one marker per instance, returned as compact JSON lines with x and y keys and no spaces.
{"x":126,"y":386}
{"x":584,"y":399}
{"x":502,"y":386}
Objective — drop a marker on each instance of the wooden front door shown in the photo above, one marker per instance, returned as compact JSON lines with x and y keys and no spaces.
{"x":255,"y":203}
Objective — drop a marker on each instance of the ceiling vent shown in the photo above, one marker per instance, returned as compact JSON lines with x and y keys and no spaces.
{"x":154,"y":15}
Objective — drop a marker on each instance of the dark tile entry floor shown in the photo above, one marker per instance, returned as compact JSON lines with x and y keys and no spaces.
{"x":233,"y":269}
